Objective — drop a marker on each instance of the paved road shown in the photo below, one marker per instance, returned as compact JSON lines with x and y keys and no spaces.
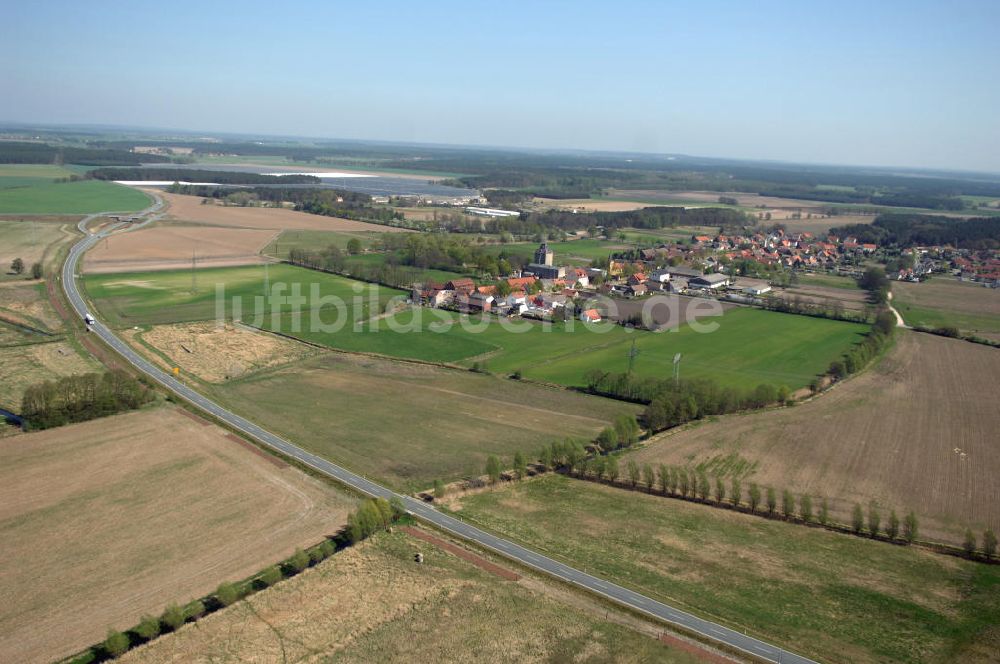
{"x":616,"y":593}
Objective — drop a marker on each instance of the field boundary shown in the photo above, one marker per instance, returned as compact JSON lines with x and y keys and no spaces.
{"x":464,"y":554}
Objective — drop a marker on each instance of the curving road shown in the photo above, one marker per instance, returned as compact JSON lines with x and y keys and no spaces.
{"x":508,"y":549}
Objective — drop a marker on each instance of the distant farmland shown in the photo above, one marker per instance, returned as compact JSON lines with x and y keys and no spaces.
{"x":917,"y":432}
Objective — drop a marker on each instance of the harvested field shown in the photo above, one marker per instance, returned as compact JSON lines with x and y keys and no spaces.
{"x":945,"y":302}
{"x":918,"y":432}
{"x":829,"y":596}
{"x":443,"y":610}
{"x":589,"y":204}
{"x":190,"y":208}
{"x":217,"y":354}
{"x":169,"y":247}
{"x":408,"y":424}
{"x":133,"y":512}
{"x":24,"y":365}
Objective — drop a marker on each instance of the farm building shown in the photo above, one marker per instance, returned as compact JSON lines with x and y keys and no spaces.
{"x":590,"y":316}
{"x":491,"y":212}
{"x":755,"y":288}
{"x":711,"y":282}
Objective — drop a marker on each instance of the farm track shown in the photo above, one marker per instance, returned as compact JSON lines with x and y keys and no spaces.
{"x":623,"y":596}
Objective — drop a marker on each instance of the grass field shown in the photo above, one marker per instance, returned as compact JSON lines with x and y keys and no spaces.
{"x":408,"y":424}
{"x":446,"y":609}
{"x":945,"y":302}
{"x":749,"y":347}
{"x":42,"y":196}
{"x":132,"y":512}
{"x":833,"y":597}
{"x":32,"y":241}
{"x":916,"y":432}
{"x":150,"y":298}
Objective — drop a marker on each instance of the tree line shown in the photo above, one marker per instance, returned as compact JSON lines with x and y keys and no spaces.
{"x":18,"y":152}
{"x":907,"y":230}
{"x":82,"y":397}
{"x":533,"y":223}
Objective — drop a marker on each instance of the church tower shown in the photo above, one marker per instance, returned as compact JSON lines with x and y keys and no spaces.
{"x":543,"y":255}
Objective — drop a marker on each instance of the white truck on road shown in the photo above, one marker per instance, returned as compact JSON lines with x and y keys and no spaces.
{"x":88,"y":319}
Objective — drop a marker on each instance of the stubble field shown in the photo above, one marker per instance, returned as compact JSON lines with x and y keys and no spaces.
{"x":919,"y":431}
{"x":132,"y":512}
{"x":190,"y":208}
{"x":372,"y":603}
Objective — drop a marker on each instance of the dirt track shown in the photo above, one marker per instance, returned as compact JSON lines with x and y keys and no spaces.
{"x":189,"y":208}
{"x":918,"y":432}
{"x":131,"y":512}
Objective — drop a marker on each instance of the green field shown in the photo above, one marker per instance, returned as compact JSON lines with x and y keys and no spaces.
{"x":44,"y":196}
{"x":42,"y":171}
{"x":829,"y":280}
{"x":408,"y":424}
{"x":750,"y":346}
{"x":833,"y":597}
{"x":149,"y":298}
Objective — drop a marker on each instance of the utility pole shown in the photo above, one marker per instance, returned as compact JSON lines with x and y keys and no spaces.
{"x":194,"y":271}
{"x":632,"y":354}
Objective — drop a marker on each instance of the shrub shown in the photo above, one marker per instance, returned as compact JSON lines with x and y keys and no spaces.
{"x":195,"y":609}
{"x":173,"y":617}
{"x":148,"y":628}
{"x":227,"y":593}
{"x":299,"y":560}
{"x":116,"y":643}
{"x":270,"y":576}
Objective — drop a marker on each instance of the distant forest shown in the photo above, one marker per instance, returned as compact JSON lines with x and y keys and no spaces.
{"x":14,"y":152}
{"x":906,"y":230}
{"x":510,"y":176}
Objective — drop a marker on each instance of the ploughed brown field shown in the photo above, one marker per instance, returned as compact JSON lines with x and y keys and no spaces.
{"x":919,"y":431}
{"x":190,"y":208}
{"x":168,"y":246}
{"x":106,"y":520}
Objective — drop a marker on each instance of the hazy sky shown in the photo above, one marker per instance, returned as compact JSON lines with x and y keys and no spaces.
{"x":905,"y":83}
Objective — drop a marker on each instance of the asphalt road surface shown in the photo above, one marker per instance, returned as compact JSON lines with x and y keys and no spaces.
{"x":508,"y":549}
